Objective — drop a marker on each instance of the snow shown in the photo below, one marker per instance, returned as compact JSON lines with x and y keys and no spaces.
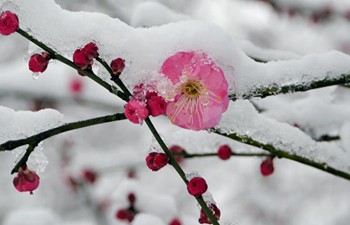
{"x":21,"y":124}
{"x":54,"y":84}
{"x":154,"y":14}
{"x":156,"y":45}
{"x":300,"y":110}
{"x":344,"y":136}
{"x":38,"y":216}
{"x":242,"y":119}
{"x":265,"y":54}
{"x":316,"y":5}
{"x":147,"y":202}
{"x":147,"y":219}
{"x":301,"y":72}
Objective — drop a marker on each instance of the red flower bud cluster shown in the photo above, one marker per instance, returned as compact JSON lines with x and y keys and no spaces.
{"x":38,"y":62}
{"x":155,"y":161}
{"x":83,"y":57}
{"x":203,"y":217}
{"x":136,"y":111}
{"x":145,"y":102}
{"x":128,"y":213}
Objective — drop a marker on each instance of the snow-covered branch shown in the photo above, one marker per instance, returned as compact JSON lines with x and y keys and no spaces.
{"x":280,"y":153}
{"x":273,"y":89}
{"x":37,"y":138}
{"x":87,"y":72}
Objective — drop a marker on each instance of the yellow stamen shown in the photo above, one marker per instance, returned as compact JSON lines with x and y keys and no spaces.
{"x":192,"y":88}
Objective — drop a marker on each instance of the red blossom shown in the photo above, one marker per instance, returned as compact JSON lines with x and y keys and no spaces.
{"x":117,"y":66}
{"x":156,"y":105}
{"x":149,"y":161}
{"x":266,"y":167}
{"x":125,"y":214}
{"x":38,"y":62}
{"x":175,"y":222}
{"x":26,"y":180}
{"x":89,"y":175}
{"x":132,"y":198}
{"x":76,"y":86}
{"x":8,"y":23}
{"x":81,"y":60}
{"x":161,"y":160}
{"x":90,"y":50}
{"x":197,"y":186}
{"x":224,"y":152}
{"x":155,"y":161}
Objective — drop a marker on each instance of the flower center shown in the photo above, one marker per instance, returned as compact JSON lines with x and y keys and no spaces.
{"x":192,"y":88}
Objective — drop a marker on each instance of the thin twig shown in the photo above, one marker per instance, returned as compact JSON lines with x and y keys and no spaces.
{"x":24,"y":158}
{"x":37,"y":138}
{"x":200,"y":155}
{"x":61,"y":58}
{"x":329,"y":138}
{"x":284,"y":154}
{"x":30,"y":96}
{"x":179,"y":170}
{"x":266,"y":91}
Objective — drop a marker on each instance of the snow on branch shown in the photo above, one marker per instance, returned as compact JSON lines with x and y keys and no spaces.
{"x":246,"y":77}
{"x":243,"y":123}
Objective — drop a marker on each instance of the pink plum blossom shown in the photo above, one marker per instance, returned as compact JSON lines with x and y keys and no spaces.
{"x":201,"y":90}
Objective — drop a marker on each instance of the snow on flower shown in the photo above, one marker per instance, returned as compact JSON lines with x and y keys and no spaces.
{"x":200,"y":90}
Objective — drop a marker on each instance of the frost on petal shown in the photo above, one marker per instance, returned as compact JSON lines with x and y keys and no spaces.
{"x":201,"y":90}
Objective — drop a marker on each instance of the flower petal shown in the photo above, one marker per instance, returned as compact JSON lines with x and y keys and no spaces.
{"x":201,"y":109}
{"x":174,"y":66}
